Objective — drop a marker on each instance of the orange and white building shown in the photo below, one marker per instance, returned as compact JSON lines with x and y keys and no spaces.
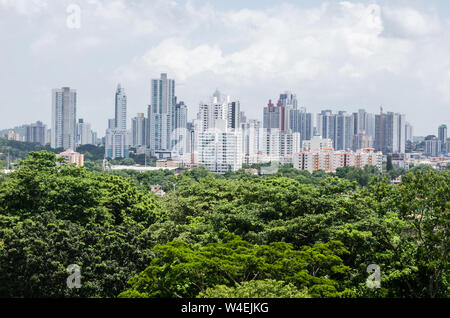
{"x":329,"y":160}
{"x":72,"y":156}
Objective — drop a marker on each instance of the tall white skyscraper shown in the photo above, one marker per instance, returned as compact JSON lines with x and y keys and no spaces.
{"x":120,"y":108}
{"x":180,"y":134}
{"x":219,"y":134}
{"x":64,"y":114}
{"x":117,"y":137}
{"x":161,"y":113}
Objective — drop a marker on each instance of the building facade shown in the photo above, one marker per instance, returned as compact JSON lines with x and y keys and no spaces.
{"x":64,"y":113}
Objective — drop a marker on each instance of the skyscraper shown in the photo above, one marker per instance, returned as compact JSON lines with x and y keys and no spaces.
{"x":344,"y":131}
{"x":64,"y":113}
{"x":275,"y":117}
{"x":120,"y":108}
{"x":390,"y":132}
{"x":442,"y":133}
{"x":84,"y":136}
{"x":326,"y":124}
{"x":233,"y":115}
{"x":161,"y":113}
{"x":36,"y":133}
{"x":117,"y":137}
{"x":138,"y":130}
{"x":302,"y":122}
{"x":180,"y":130}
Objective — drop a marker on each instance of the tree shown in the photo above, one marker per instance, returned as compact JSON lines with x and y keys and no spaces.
{"x":53,"y":214}
{"x":92,"y":152}
{"x":268,"y":288}
{"x":423,"y":200}
{"x":127,"y":162}
{"x":35,"y":253}
{"x":46,"y":183}
{"x":179,"y":270}
{"x":389,"y":165}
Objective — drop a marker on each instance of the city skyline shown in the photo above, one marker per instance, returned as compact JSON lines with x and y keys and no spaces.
{"x":333,"y":55}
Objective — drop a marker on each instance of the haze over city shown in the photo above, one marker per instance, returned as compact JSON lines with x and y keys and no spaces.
{"x":338,"y":55}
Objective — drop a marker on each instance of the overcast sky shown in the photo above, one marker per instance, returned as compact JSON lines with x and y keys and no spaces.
{"x":339,"y":55}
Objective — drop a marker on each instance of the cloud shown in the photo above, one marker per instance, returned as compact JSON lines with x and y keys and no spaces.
{"x":285,"y":41}
{"x":343,"y":53}
{"x":410,"y":22}
{"x":42,"y":43}
{"x":24,"y":7}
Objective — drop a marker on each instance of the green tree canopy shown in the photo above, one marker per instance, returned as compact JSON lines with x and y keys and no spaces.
{"x":179,"y":270}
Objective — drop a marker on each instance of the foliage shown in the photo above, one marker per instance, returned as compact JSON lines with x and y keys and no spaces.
{"x":53,"y":214}
{"x":37,"y":251}
{"x":18,"y":150}
{"x":179,"y":270}
{"x":45,"y":183}
{"x":268,"y":288}
{"x":92,"y":152}
{"x":289,"y":224}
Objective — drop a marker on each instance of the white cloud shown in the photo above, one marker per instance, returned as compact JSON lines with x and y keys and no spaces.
{"x":43,"y":43}
{"x":24,"y":7}
{"x":344,"y":53}
{"x":409,"y":22}
{"x":286,"y":41}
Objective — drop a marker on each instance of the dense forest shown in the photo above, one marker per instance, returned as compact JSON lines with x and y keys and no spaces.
{"x":293,"y":234}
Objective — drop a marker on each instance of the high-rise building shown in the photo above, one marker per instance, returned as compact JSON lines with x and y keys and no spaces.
{"x":36,"y":133}
{"x":84,"y":135}
{"x":344,"y":130}
{"x":277,"y":145}
{"x":432,"y":146}
{"x":316,"y":143}
{"x":326,"y":124}
{"x":116,"y":144}
{"x":275,"y":117}
{"x":302,"y":122}
{"x":338,"y":127}
{"x":437,"y":146}
{"x":111,"y":123}
{"x":117,"y":136}
{"x":370,"y":125}
{"x":251,"y":131}
{"x":219,"y":135}
{"x":161,"y":114}
{"x":138,"y":130}
{"x":64,"y":113}
{"x":408,"y":132}
{"x":180,"y":135}
{"x":390,"y":132}
{"x":220,"y":150}
{"x":361,"y":141}
{"x":191,"y":144}
{"x":120,"y":108}
{"x":233,"y":115}
{"x":94,"y":138}
{"x":289,"y":99}
{"x":221,"y":111}
{"x":442,"y":133}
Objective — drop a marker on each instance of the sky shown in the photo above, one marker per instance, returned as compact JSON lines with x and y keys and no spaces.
{"x":339,"y":55}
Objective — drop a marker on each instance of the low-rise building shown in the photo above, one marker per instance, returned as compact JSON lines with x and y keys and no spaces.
{"x":166,"y":163}
{"x":329,"y":160}
{"x":72,"y":156}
